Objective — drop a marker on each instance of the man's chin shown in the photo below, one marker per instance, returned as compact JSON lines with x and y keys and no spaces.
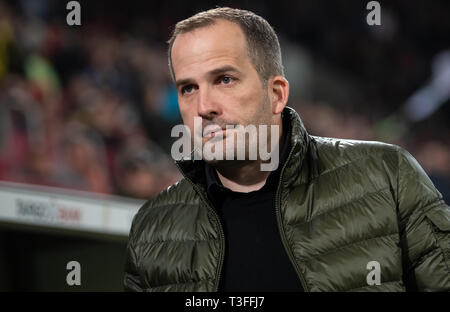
{"x":216,"y":162}
{"x":224,"y":162}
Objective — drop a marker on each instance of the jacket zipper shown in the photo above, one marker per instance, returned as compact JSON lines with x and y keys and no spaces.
{"x":222,"y":235}
{"x":279,"y":222}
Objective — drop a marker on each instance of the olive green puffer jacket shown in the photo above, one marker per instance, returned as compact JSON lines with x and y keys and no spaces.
{"x":341,"y":204}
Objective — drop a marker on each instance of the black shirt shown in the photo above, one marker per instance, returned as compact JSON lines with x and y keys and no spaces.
{"x":255,"y":258}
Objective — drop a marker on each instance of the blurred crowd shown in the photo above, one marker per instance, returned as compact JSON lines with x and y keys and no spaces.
{"x":91,"y":107}
{"x":88,"y":111}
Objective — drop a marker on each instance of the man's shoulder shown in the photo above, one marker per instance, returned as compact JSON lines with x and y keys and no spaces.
{"x":179,"y":192}
{"x":335,"y":153}
{"x":165,"y":206}
{"x":345,"y":146}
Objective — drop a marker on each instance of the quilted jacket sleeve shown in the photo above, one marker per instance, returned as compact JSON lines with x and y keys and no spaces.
{"x":424,"y":222}
{"x":131,"y":279}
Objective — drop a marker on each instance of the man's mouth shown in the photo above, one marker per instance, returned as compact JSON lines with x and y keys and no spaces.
{"x":212,"y":131}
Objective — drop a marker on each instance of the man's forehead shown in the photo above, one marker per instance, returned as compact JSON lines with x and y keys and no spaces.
{"x":216,"y":30}
{"x":223,"y":40}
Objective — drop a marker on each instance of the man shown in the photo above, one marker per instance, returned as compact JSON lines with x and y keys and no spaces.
{"x":336,"y":215}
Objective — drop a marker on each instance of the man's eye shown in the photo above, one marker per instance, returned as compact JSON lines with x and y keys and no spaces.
{"x":226,"y":80}
{"x":187,"y":89}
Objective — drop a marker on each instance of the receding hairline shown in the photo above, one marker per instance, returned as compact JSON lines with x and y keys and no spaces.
{"x":213,"y":23}
{"x":261,"y":41}
{"x":207,"y":24}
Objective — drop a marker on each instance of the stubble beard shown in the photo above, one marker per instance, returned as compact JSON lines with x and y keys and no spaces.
{"x":250,"y":142}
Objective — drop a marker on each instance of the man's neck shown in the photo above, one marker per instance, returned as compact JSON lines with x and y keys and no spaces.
{"x":244,"y":179}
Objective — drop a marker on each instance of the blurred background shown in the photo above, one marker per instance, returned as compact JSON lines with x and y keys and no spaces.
{"x":86,"y":112}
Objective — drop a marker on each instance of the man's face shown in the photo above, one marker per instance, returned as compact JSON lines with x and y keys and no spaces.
{"x":217,"y":81}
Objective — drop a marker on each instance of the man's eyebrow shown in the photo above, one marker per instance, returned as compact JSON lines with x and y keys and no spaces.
{"x":214,"y":72}
{"x":182,"y":82}
{"x":223,"y":69}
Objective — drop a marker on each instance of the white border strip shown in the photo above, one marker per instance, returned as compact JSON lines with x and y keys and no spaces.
{"x":66,"y":209}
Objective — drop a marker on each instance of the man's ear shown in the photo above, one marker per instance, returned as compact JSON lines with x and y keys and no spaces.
{"x":278,"y":93}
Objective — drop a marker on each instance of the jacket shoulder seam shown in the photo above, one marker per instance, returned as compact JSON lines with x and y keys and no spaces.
{"x":351,"y":244}
{"x":349,"y":163}
{"x":342,"y":205}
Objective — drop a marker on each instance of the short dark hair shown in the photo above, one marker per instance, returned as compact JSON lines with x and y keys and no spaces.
{"x":262,"y":42}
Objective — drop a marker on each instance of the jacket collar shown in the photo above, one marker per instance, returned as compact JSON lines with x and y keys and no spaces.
{"x":299,"y":144}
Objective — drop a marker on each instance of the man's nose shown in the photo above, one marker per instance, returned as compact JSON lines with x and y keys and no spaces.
{"x":207,"y":106}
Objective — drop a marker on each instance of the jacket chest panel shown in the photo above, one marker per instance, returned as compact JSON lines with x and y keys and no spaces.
{"x":186,"y":254}
{"x":334,"y":236}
